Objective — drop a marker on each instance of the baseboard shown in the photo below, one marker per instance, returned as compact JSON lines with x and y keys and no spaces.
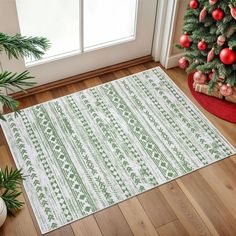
{"x":80,"y":77}
{"x":173,"y":60}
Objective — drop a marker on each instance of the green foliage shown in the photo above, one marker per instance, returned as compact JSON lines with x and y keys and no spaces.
{"x":11,"y":201}
{"x":9,"y":102}
{"x":232,"y":43}
{"x":20,"y":46}
{"x":210,"y":30}
{"x":10,"y":181}
{"x":17,"y":46}
{"x":11,"y":80}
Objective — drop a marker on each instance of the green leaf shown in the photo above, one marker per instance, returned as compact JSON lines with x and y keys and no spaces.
{"x":20,"y":46}
{"x":9,"y":102}
{"x":11,"y":80}
{"x":10,"y":179}
{"x":11,"y":201}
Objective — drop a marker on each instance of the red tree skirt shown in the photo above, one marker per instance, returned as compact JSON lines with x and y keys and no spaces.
{"x":220,"y":108}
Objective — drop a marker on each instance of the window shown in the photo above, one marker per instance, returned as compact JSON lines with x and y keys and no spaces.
{"x":77,"y":26}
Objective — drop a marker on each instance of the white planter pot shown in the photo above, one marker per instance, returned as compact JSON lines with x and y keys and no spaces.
{"x":3,"y":212}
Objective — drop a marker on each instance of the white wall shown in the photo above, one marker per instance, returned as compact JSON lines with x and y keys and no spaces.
{"x":9,"y":25}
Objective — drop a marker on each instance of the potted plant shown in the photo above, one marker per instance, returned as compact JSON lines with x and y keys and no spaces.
{"x":15,"y":46}
{"x":3,"y":211}
{"x":10,"y":181}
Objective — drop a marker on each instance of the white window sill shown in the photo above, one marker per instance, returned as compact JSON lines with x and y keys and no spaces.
{"x":77,"y":52}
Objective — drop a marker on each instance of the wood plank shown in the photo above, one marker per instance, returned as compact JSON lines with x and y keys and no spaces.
{"x":27,"y":102}
{"x":22,"y":223}
{"x":156,"y":207}
{"x":233,"y":158}
{"x":149,"y":65}
{"x":83,"y":76}
{"x":183,"y":209}
{"x":212,"y":210}
{"x":89,"y":83}
{"x":121,"y":73}
{"x":222,"y":179}
{"x":200,"y":211}
{"x":136,"y":69}
{"x":86,"y":227}
{"x":107,"y":77}
{"x":174,"y":228}
{"x":65,"y":230}
{"x":137,"y":219}
{"x":44,"y":96}
{"x":59,"y":92}
{"x":2,"y":137}
{"x":72,"y":88}
{"x":112,"y":222}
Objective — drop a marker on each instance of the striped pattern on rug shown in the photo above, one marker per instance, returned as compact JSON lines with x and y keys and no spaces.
{"x":94,"y":148}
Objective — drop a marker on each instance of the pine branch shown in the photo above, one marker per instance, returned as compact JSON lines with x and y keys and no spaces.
{"x":11,"y":201}
{"x":10,"y":179}
{"x":206,"y":67}
{"x":9,"y":102}
{"x":213,"y":82}
{"x":10,"y":80}
{"x":20,"y":46}
{"x":222,"y":70}
{"x":231,"y":79}
{"x":232,"y":42}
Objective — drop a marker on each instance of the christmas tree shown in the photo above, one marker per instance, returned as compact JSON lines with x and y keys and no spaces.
{"x":209,"y":42}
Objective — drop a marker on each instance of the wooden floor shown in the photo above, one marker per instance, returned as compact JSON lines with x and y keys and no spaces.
{"x":201,"y":203}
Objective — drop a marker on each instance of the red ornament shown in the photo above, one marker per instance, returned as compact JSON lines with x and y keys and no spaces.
{"x":210,"y":76}
{"x":226,"y":90}
{"x":212,"y":2}
{"x":228,"y":56}
{"x":202,"y":45}
{"x":194,"y":4}
{"x":218,"y":14}
{"x":185,"y":41}
{"x":221,"y":40}
{"x":199,"y":77}
{"x":183,"y":63}
{"x":233,"y":11}
{"x":211,"y":55}
{"x":203,"y":14}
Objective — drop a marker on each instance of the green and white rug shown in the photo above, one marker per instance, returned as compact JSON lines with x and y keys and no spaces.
{"x":92,"y":149}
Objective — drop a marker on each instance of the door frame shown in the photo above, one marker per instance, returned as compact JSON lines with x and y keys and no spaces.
{"x":164,"y":33}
